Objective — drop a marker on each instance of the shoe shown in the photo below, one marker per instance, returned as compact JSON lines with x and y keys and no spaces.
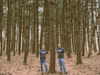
{"x":66,"y":73}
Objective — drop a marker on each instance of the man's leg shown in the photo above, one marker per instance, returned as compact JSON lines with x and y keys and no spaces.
{"x":59,"y":61}
{"x":63,"y":64}
{"x":46,"y":69}
{"x":41,"y":65}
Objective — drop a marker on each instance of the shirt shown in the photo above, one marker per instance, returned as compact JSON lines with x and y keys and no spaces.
{"x":43,"y":54}
{"x":60,"y":52}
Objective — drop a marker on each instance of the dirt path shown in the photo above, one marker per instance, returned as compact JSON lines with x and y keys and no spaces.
{"x":90,"y":66}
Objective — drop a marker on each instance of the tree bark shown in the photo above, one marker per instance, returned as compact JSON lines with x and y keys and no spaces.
{"x":1,"y":18}
{"x":37,"y":23}
{"x":26,"y":33}
{"x":9,"y":29}
{"x":79,"y":61}
{"x":33,"y":51}
{"x":14,"y":32}
{"x":52,"y":41}
{"x":20,"y":26}
{"x":84,"y":27}
{"x":68,"y":41}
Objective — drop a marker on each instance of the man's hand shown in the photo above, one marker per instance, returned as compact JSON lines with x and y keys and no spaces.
{"x":55,"y":51}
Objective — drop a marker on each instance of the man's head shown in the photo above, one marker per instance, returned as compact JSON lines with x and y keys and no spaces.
{"x":43,"y":47}
{"x":59,"y":46}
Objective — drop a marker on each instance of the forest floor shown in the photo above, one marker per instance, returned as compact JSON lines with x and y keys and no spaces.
{"x":90,"y":66}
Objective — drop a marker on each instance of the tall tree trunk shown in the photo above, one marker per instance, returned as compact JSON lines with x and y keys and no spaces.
{"x":60,"y":25}
{"x":57,"y":24}
{"x":84,"y":27}
{"x":72,"y":30}
{"x":14,"y":32}
{"x":26,"y":33}
{"x":29,"y":29}
{"x":33,"y":51}
{"x":23,"y":26}
{"x":63,"y":23}
{"x":79,"y":61}
{"x":48,"y":26}
{"x":9,"y":29}
{"x":92,"y":18}
{"x":42,"y":27}
{"x":94,"y":40}
{"x":46,"y":23}
{"x":45,"y":29}
{"x":1,"y":18}
{"x":37,"y":23}
{"x":20,"y":25}
{"x":88,"y":31}
{"x":52,"y":41}
{"x":68,"y":45}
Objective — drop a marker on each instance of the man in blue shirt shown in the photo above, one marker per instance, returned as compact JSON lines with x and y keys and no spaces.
{"x":61,"y":61}
{"x":42,"y":58}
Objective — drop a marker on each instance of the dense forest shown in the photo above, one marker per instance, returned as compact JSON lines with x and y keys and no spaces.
{"x":26,"y":25}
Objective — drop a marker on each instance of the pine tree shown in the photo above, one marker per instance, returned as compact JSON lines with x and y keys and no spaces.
{"x":52,"y":42}
{"x":1,"y":18}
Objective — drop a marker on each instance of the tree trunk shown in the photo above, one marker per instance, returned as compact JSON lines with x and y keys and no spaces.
{"x":72,"y":30}
{"x":33,"y":49}
{"x":14,"y":32}
{"x":52,"y":41}
{"x":9,"y":29}
{"x":42,"y":27}
{"x":88,"y":31}
{"x":48,"y":26}
{"x":63,"y":23}
{"x":84,"y":27}
{"x":20,"y":25}
{"x":57,"y":24}
{"x":79,"y":61}
{"x":68,"y":45}
{"x":26,"y":33}
{"x":1,"y":18}
{"x":92,"y":18}
{"x":37,"y":23}
{"x":23,"y":27}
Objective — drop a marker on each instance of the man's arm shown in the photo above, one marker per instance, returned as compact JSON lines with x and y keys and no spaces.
{"x":65,"y":54}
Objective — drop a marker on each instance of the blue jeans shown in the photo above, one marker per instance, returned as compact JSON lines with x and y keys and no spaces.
{"x":41,"y":63}
{"x":62,"y":63}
